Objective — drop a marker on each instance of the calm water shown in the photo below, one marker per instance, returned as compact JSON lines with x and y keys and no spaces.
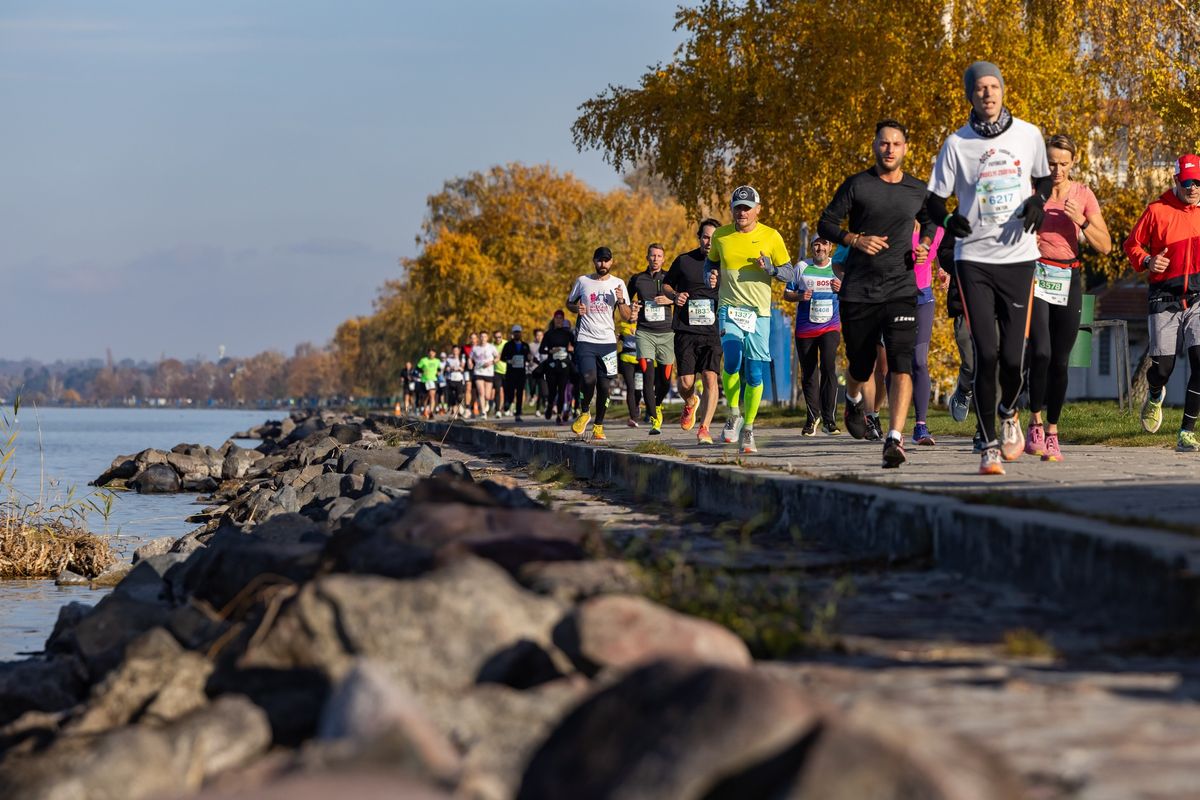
{"x":61,"y":448}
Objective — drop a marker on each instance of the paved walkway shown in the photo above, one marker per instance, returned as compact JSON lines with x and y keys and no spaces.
{"x":1147,"y":486}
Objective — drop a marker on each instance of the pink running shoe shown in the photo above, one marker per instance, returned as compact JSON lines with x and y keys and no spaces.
{"x":1051,"y":451}
{"x":1035,"y":440}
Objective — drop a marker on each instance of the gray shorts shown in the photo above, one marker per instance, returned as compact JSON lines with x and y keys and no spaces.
{"x":1173,"y":332}
{"x":655,"y":346}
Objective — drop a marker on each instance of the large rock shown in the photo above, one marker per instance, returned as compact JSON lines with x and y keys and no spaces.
{"x":154,"y":547}
{"x":98,"y":639}
{"x":330,"y":486}
{"x":424,"y":461}
{"x":156,"y":479}
{"x":386,"y":457}
{"x":373,"y":784}
{"x":237,"y":463}
{"x":140,"y":761}
{"x":37,"y":685}
{"x":320,"y":450}
{"x":375,"y":478}
{"x":146,"y":581}
{"x":157,"y":680}
{"x":674,"y":729}
{"x":578,"y":580}
{"x":191,"y":467}
{"x":122,"y":469}
{"x":346,"y":432}
{"x":233,"y":560}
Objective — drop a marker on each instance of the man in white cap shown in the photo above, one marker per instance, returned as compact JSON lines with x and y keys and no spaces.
{"x":997,"y":168}
{"x":747,"y":256}
{"x":516,"y":355}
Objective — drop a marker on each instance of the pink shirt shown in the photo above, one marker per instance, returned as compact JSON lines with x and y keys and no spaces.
{"x":1059,"y":236}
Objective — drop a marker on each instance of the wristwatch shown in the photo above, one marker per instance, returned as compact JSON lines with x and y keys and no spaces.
{"x":1086,"y":222}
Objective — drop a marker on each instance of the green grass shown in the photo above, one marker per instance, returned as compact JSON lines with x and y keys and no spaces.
{"x":659,"y":449}
{"x":1090,"y":422}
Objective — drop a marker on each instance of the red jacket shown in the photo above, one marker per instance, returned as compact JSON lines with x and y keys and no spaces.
{"x":1171,"y":225}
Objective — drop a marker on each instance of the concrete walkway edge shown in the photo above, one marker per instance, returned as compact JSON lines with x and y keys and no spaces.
{"x":1135,"y":577}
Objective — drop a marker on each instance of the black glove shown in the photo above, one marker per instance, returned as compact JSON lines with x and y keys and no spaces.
{"x":1033,"y":211}
{"x":957,"y":225}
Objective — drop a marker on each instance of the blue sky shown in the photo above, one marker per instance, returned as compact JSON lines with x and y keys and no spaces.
{"x":175,"y":177}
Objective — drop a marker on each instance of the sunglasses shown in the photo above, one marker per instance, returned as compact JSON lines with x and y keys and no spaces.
{"x":1189,"y":184}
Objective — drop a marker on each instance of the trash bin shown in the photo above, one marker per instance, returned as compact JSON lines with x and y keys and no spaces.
{"x":1081,"y":353}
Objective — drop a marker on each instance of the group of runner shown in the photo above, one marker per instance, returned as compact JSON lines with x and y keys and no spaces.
{"x":1008,"y":255}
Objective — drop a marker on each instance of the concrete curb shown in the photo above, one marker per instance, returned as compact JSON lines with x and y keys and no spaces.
{"x":1138,"y":577}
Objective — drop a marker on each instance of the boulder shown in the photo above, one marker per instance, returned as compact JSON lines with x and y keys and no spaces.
{"x":376,"y":478}
{"x":319,"y":451}
{"x":158,"y":680}
{"x":287,"y":499}
{"x":577,"y":580}
{"x":386,"y":457}
{"x":200,"y":484}
{"x":122,"y":469}
{"x":678,"y":730}
{"x":448,"y":489}
{"x":346,"y":432}
{"x":423,"y":461}
{"x":624,"y":631}
{"x":232,"y":560}
{"x":330,"y":486}
{"x":154,"y":547}
{"x":194,"y":467}
{"x":452,"y":469}
{"x":37,"y":685}
{"x":290,"y":528}
{"x":156,"y":479}
{"x":98,"y":638}
{"x":140,"y":761}
{"x":377,"y":783}
{"x":146,"y":580}
{"x":337,"y":508}
{"x":236,"y":463}
{"x":70,"y":578}
{"x":112,"y":575}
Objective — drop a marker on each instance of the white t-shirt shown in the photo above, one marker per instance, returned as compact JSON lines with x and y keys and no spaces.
{"x":485,"y":354}
{"x":454,"y":368}
{"x":992,"y":178}
{"x":600,"y":297}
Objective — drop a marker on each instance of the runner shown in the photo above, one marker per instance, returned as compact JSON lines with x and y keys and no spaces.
{"x":697,"y":343}
{"x":557,"y":346}
{"x":472,"y":343}
{"x":818,"y":332}
{"x":653,"y":303}
{"x":456,"y":380}
{"x":878,"y":296}
{"x":593,"y":298}
{"x":1163,"y":244}
{"x":484,"y":356}
{"x":742,"y":260}
{"x":996,"y":167}
{"x":430,"y":367}
{"x":535,"y":380}
{"x":516,"y":355}
{"x":1072,"y":216}
{"x":498,"y":382}
{"x":408,"y":387}
{"x":631,"y":376}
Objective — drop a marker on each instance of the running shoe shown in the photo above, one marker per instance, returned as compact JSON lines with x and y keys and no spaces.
{"x":978,"y":445}
{"x":893,"y":453}
{"x":598,"y":433}
{"x":1051,"y":451}
{"x":631,"y":423}
{"x":1035,"y":440}
{"x":688,"y":419}
{"x":747,"y":444}
{"x":517,"y":419}
{"x":655,"y":430}
{"x":580,"y":423}
{"x":855,"y":419}
{"x":810,"y":427}
{"x":549,"y":413}
{"x":922,"y":436}
{"x":657,"y":420}
{"x":1187,"y":442}
{"x":733,"y":429}
{"x":1012,"y":443}
{"x":960,"y":404}
{"x":874,"y":429}
{"x":1152,"y":411}
{"x":831,"y":428}
{"x":990,"y":463}
{"x":703,"y":436}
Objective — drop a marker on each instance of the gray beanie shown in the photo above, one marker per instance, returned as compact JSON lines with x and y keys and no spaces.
{"x":980,"y":69}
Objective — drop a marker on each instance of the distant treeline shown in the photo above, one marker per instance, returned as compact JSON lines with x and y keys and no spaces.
{"x":264,"y":379}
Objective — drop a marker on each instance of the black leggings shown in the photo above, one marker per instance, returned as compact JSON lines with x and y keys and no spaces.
{"x":1052,"y":332}
{"x":556,"y":380}
{"x":1159,"y":373}
{"x":514,"y":389}
{"x":820,"y":389}
{"x":997,"y":301}
{"x":656,"y":382}
{"x":633,"y":397}
{"x":594,"y":380}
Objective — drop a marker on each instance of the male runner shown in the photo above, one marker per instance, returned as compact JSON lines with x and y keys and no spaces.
{"x":653,"y":303}
{"x":557,"y":346}
{"x":430,"y":367}
{"x":1163,"y":244}
{"x":697,"y":343}
{"x":743,"y":258}
{"x":517,"y":355}
{"x":499,"y":404}
{"x":997,"y":168}
{"x":878,"y":297}
{"x":593,"y":298}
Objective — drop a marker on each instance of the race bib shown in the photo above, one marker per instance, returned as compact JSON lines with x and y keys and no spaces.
{"x":1053,"y":284}
{"x":655,"y":313}
{"x":518,"y":362}
{"x":637,"y":381}
{"x":610,"y":363}
{"x":456,"y":376}
{"x":745,"y":318}
{"x":1001,"y":187}
{"x":820,"y":309}
{"x":558,"y":353}
{"x":700,"y":312}
{"x":412,"y":386}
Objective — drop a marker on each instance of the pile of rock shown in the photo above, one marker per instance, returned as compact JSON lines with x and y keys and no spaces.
{"x":446,"y":637}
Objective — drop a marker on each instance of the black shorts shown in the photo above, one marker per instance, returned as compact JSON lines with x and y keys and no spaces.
{"x":697,"y":352}
{"x":864,"y":324}
{"x":498,"y":380}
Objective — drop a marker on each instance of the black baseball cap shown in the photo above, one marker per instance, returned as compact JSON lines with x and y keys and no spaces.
{"x":602,"y":254}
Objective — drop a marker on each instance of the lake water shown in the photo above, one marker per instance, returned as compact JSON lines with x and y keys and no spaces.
{"x":62,"y":448}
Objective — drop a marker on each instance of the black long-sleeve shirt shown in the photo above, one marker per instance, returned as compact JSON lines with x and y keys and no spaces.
{"x":878,"y":208}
